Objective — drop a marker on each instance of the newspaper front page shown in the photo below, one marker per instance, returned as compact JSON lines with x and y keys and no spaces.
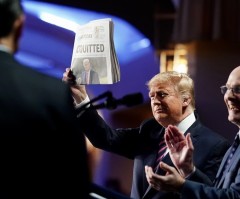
{"x":94,"y":59}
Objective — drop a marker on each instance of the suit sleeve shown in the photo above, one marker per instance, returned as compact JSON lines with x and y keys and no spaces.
{"x":199,"y":176}
{"x":123,"y":142}
{"x":197,"y":190}
{"x":209,"y":163}
{"x":199,"y":186}
{"x":215,"y":160}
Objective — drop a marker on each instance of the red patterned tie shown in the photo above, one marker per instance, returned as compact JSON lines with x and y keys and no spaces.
{"x":161,"y":152}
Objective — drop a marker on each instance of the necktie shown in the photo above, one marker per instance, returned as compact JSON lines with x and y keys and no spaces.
{"x":161,"y":152}
{"x":86,"y":77}
{"x":233,"y":149}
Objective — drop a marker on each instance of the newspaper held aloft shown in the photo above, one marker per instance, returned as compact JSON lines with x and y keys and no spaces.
{"x":94,"y":59}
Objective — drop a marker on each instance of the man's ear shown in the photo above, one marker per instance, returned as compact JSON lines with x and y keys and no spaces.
{"x":18,"y":28}
{"x":186,"y":100}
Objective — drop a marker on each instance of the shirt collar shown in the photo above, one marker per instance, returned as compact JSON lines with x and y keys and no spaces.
{"x":186,"y":123}
{"x":238,"y":134}
{"x":4,"y":48}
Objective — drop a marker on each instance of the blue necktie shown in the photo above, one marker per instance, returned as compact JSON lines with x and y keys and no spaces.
{"x":233,"y":149}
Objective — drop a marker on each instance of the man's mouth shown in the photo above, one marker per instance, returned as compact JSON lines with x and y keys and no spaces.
{"x":233,"y":108}
{"x":159,"y":110}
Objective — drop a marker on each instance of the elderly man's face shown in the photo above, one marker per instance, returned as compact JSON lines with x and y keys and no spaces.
{"x":86,"y":65}
{"x":166,"y":103}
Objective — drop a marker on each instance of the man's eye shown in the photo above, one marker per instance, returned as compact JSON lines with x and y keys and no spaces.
{"x":151,"y":95}
{"x":158,"y":94}
{"x":236,"y":89}
{"x":162,"y":94}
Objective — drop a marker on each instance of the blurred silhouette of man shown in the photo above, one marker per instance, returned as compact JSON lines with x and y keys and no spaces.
{"x":42,"y":151}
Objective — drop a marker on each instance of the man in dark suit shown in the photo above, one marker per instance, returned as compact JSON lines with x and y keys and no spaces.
{"x":197,"y":185}
{"x":172,"y":102}
{"x":42,"y":151}
{"x":89,"y":76}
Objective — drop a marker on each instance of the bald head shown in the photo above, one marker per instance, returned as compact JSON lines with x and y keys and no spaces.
{"x":234,"y":75}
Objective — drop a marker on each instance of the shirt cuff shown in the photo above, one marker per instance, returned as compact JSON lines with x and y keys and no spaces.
{"x":85,"y":101}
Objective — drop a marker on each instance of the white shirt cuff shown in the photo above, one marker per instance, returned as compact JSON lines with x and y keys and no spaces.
{"x":85,"y":101}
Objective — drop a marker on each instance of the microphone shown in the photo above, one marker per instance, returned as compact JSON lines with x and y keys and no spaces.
{"x":127,"y":100}
{"x":111,"y":102}
{"x":131,"y":100}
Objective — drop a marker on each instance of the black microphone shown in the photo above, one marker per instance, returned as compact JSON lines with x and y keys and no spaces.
{"x":127,"y":100}
{"x":131,"y":100}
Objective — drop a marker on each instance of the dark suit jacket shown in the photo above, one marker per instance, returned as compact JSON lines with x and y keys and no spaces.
{"x":141,"y":145}
{"x":42,"y":152}
{"x":93,"y":77}
{"x":226,"y":185}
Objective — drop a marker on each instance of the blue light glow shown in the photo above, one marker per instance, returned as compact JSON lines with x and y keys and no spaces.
{"x":48,"y":38}
{"x":59,"y":21}
{"x":70,"y":18}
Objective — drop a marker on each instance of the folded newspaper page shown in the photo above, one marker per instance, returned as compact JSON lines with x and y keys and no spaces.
{"x":94,"y":59}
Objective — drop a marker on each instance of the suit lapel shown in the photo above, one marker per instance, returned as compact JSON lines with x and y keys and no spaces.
{"x":220,"y":170}
{"x":150,"y":160}
{"x":150,"y":191}
{"x":227,"y":174}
